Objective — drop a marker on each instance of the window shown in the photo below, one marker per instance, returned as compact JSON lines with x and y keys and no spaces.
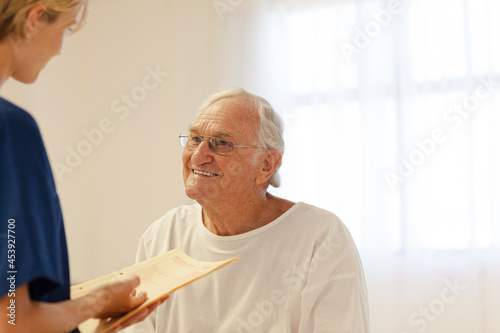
{"x":390,"y":117}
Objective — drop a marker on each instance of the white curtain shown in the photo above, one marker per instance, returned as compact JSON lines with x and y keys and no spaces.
{"x":392,"y":119}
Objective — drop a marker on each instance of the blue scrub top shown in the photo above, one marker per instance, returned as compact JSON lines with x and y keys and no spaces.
{"x":32,"y":238}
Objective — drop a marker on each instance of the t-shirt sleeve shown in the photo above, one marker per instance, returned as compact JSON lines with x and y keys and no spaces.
{"x":32,"y":238}
{"x":334,"y":298}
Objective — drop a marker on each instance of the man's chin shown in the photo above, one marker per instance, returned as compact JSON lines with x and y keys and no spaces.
{"x":193,"y":194}
{"x":199,"y":194}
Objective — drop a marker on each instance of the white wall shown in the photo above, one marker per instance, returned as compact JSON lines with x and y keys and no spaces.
{"x":132,"y":176}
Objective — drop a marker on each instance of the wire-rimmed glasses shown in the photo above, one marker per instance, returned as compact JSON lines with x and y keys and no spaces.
{"x":217,"y":145}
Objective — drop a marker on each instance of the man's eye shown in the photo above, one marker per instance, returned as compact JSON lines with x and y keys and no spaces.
{"x":196,"y":139}
{"x":221,"y":142}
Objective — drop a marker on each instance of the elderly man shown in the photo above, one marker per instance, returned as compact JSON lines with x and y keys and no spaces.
{"x":299,"y":270}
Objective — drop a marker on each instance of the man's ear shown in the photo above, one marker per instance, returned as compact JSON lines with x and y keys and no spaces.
{"x":269,"y":164}
{"x":34,"y":19}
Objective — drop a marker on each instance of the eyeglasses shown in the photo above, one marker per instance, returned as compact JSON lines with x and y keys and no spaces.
{"x":216,"y":145}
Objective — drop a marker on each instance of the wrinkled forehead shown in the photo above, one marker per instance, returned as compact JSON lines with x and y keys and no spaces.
{"x":231,"y":116}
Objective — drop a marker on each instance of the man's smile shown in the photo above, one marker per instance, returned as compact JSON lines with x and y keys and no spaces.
{"x":208,"y":174}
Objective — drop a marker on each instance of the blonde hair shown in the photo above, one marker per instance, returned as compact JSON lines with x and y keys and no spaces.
{"x":13,"y":14}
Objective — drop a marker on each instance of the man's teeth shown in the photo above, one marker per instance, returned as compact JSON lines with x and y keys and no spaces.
{"x":209,"y":174}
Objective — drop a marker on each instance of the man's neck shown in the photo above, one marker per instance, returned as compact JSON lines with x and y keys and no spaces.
{"x":238,"y":218}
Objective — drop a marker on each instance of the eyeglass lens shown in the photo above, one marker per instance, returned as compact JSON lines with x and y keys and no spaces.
{"x":217,"y":145}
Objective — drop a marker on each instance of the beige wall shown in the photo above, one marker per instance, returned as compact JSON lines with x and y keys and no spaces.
{"x":132,"y":175}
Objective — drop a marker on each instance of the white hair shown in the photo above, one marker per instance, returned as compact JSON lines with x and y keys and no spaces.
{"x":270,"y":130}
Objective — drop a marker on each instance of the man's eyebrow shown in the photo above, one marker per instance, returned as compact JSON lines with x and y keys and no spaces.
{"x":193,"y":129}
{"x":225,"y":134}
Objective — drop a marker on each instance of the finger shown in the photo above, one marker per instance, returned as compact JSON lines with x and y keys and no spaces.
{"x":141,"y":295}
{"x":163,"y":300}
{"x":152,"y":307}
{"x":139,"y":299}
{"x":130,"y":283}
{"x":133,"y":281}
{"x":138,"y":317}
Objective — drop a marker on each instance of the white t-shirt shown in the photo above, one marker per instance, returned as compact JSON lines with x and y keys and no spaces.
{"x":299,"y":273}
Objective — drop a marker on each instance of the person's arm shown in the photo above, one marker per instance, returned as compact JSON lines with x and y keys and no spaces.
{"x":109,"y":301}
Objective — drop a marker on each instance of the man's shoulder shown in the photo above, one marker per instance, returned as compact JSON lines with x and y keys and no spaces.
{"x":314,"y":214}
{"x":313,"y":221}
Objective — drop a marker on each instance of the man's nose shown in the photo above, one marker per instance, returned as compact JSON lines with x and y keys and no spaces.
{"x":202,"y":153}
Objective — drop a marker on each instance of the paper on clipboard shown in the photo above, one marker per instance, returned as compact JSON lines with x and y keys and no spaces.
{"x":159,"y":276}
